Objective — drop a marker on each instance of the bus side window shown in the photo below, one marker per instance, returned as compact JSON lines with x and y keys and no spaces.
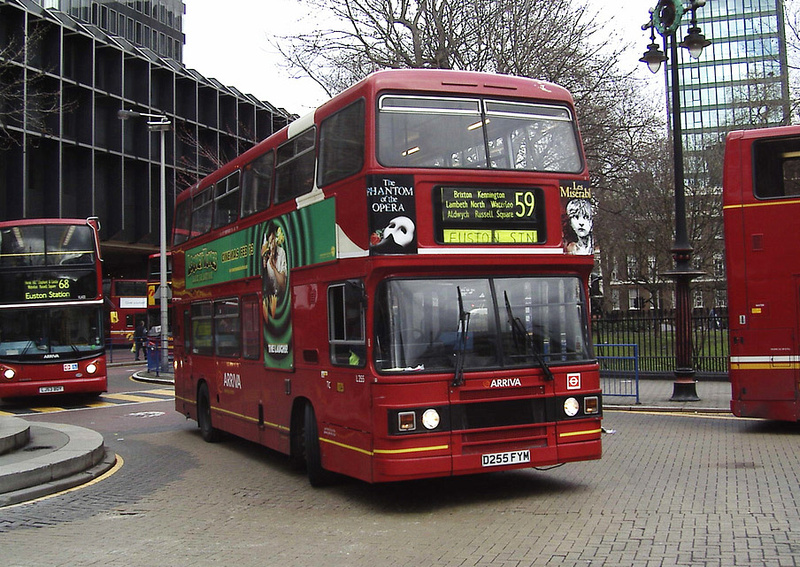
{"x":251,"y":327}
{"x":791,"y":176}
{"x":341,"y":144}
{"x":183,"y":222}
{"x":202,"y":211}
{"x":226,"y":200}
{"x":257,"y":184}
{"x":202,"y":339}
{"x":346,"y":324}
{"x":294,"y":172}
{"x":776,"y":164}
{"x":187,"y":335}
{"x":227,"y":333}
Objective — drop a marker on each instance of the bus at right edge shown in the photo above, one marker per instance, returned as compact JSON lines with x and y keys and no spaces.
{"x":761,"y":211}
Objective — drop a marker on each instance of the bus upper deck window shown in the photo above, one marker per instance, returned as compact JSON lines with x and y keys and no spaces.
{"x":776,"y":163}
{"x":257,"y":184}
{"x":294,"y":171}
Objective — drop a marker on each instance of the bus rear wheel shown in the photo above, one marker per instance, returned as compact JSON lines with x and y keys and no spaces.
{"x":209,"y":433}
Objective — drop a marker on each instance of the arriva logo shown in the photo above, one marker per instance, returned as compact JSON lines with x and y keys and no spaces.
{"x":502,"y":383}
{"x":231,"y":380}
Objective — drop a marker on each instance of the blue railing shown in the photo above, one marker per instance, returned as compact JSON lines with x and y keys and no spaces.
{"x":619,"y":369}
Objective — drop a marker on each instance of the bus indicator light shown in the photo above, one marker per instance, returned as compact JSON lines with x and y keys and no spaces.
{"x":406,"y":421}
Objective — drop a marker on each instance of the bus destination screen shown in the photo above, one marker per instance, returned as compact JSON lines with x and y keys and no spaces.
{"x":471,"y":215}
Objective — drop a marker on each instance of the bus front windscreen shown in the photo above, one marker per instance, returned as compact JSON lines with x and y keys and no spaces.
{"x":441,"y":132}
{"x":48,"y":334}
{"x":432,"y":324}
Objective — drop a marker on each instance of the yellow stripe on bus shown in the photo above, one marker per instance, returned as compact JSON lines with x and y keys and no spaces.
{"x":384,"y":451}
{"x":249,"y":418}
{"x":765,"y":365}
{"x":412,"y":450}
{"x":764,"y":204}
{"x":574,"y":433}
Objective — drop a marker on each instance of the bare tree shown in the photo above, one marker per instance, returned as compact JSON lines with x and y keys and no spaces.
{"x":792,"y":19}
{"x":553,"y":40}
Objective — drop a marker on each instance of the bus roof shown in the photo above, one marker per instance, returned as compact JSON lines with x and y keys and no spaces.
{"x":38,"y":221}
{"x":418,"y":80}
{"x":765,"y":132}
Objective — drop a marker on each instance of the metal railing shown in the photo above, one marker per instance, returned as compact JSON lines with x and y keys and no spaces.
{"x":619,"y":369}
{"x":654,"y":333}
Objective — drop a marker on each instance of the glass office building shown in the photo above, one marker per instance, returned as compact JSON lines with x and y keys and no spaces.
{"x":155,"y":24}
{"x":741,"y":79}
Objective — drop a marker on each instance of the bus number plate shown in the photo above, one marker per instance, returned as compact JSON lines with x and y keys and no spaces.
{"x":51,"y":389}
{"x":508,"y":458}
{"x":71,"y":367}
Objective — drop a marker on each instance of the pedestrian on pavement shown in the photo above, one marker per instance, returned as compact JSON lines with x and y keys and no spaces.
{"x":139,"y":336}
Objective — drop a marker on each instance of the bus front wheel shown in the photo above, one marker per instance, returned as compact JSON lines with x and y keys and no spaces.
{"x":209,"y":433}
{"x":317,"y":475}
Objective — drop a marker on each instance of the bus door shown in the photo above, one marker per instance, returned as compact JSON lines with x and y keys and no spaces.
{"x":345,"y":387}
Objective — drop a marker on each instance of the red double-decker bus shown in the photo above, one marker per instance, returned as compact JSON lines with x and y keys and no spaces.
{"x":395,"y":286}
{"x":126,"y":305}
{"x":51,"y":308}
{"x":761,"y":209}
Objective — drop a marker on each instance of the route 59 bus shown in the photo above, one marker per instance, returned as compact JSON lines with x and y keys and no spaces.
{"x":51,"y":308}
{"x":761,"y":211}
{"x":395,"y":286}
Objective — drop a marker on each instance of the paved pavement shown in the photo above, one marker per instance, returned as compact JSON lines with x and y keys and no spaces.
{"x":19,"y":471}
{"x":715,"y":397}
{"x":673,"y":489}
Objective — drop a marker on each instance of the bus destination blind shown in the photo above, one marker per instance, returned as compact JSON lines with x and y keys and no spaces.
{"x":491,"y":216}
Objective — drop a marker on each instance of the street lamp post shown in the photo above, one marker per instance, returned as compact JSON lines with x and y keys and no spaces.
{"x":159,"y":123}
{"x":665,"y":18}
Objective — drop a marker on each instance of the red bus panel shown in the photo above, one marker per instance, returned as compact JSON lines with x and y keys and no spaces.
{"x":761,"y":206}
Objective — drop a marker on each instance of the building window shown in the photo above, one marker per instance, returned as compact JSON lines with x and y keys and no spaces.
{"x":634,"y":301}
{"x":719,"y":265}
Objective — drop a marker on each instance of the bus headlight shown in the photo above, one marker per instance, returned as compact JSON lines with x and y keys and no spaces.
{"x":571,"y":407}
{"x":430,"y":419}
{"x":9,"y":373}
{"x":91,"y":368}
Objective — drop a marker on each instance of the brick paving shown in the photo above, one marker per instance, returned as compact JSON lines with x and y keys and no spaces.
{"x":672,"y":489}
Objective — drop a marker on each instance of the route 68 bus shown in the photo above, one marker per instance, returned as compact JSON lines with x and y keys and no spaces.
{"x":395,"y":286}
{"x":51,"y":308}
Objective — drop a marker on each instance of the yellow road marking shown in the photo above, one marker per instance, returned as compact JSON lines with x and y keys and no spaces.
{"x":131,"y":398}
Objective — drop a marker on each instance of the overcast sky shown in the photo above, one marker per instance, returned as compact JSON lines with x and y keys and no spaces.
{"x":229,"y":41}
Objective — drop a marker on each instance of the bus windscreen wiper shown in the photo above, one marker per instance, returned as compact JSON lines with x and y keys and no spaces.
{"x":522,"y":338}
{"x":461,"y":341}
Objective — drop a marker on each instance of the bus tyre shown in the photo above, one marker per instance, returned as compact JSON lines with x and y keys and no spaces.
{"x":317,"y":476}
{"x":209,"y":433}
